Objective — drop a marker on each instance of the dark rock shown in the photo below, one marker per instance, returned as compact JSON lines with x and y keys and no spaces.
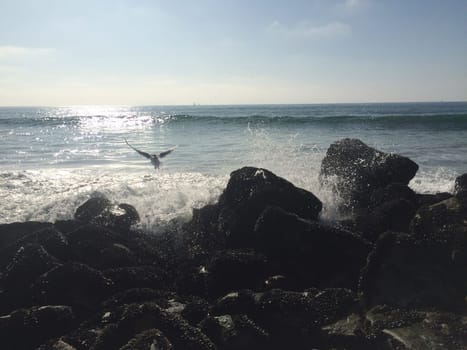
{"x":28,"y":328}
{"x":460,"y":186}
{"x":354,"y":170}
{"x":145,"y":276}
{"x":427,"y":199}
{"x":232,"y":332}
{"x":137,"y":318}
{"x":136,"y":295}
{"x":405,"y":272}
{"x":73,"y":284}
{"x":99,"y":247}
{"x":29,"y":263}
{"x":49,"y":238}
{"x":235,"y":303}
{"x":396,"y":329}
{"x":446,"y":219}
{"x":195,"y":310}
{"x":236,"y":269}
{"x":250,"y":191}
{"x":393,"y":191}
{"x":348,"y":333}
{"x":393,"y":215}
{"x":310,"y":252}
{"x":277,"y":282}
{"x":102,"y":211}
{"x":295,"y":319}
{"x":151,"y":339}
{"x":10,"y":233}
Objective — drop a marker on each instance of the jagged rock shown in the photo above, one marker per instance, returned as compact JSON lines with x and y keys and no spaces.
{"x":393,"y":215}
{"x":195,"y":310}
{"x":73,"y":284}
{"x":49,"y":238}
{"x":28,"y":328}
{"x":133,"y":319}
{"x":460,"y":186}
{"x":10,"y":233}
{"x":232,"y":332}
{"x":446,"y":219}
{"x":99,"y":247}
{"x":398,"y":329}
{"x":145,"y":276}
{"x":295,"y":319}
{"x":354,"y":170}
{"x":250,"y":191}
{"x":29,"y":262}
{"x":235,"y":303}
{"x":405,"y":272}
{"x":151,"y":339}
{"x":237,"y":269}
{"x":136,"y":295}
{"x":102,"y":211}
{"x":309,"y":252}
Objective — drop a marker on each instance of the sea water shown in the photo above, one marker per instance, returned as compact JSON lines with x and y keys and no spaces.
{"x":54,"y":159}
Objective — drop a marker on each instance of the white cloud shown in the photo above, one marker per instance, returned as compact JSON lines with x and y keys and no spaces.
{"x":307,"y":30}
{"x":16,"y":51}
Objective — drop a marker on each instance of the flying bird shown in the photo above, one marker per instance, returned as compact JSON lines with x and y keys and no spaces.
{"x":154,"y":158}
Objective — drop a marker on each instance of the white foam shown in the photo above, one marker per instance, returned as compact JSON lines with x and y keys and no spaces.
{"x":54,"y":194}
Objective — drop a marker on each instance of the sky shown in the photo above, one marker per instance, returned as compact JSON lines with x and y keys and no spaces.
{"x":171,"y":52}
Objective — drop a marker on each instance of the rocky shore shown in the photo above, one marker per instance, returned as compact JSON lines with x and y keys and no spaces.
{"x":257,"y":270}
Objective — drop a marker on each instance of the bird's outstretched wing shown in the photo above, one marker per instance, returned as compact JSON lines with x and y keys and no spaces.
{"x":144,"y":154}
{"x":163,"y":154}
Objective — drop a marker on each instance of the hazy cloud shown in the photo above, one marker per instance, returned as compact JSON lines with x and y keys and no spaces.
{"x":307,"y":30}
{"x":16,"y":51}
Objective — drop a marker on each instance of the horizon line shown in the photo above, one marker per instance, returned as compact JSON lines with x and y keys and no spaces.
{"x":232,"y":104}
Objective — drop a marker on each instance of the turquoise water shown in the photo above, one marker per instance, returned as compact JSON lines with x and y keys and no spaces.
{"x":52,"y":159}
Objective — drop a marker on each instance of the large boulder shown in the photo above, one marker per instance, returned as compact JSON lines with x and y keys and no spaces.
{"x":235,"y":269}
{"x":230,"y":222}
{"x":73,"y":284}
{"x":310,"y":252}
{"x":251,"y":190}
{"x":409,"y":273}
{"x":101,"y":211}
{"x":28,"y":328}
{"x":354,"y":170}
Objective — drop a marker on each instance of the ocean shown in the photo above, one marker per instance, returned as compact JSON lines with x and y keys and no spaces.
{"x":53,"y":159}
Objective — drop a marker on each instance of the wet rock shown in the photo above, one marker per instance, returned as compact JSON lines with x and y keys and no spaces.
{"x":145,"y":276}
{"x":28,"y":328}
{"x":231,"y":332}
{"x":10,"y":233}
{"x":427,"y":199}
{"x":28,"y":263}
{"x":294,"y":319}
{"x":49,"y":238}
{"x":394,"y":215}
{"x":151,"y":339}
{"x":460,"y":186}
{"x":309,"y":252}
{"x":99,"y":247}
{"x":136,"y":295}
{"x":236,"y":303}
{"x":250,"y":191}
{"x":236,"y":269}
{"x":195,"y":310}
{"x":405,"y":272}
{"x":446,"y":219}
{"x":401,"y":329}
{"x":347,"y":333}
{"x":73,"y":284}
{"x":355,"y":170}
{"x":102,"y":211}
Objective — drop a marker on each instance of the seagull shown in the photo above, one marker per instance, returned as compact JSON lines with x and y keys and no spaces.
{"x":153,"y":157}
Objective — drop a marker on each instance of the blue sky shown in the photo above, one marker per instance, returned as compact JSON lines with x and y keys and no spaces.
{"x":145,"y":52}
